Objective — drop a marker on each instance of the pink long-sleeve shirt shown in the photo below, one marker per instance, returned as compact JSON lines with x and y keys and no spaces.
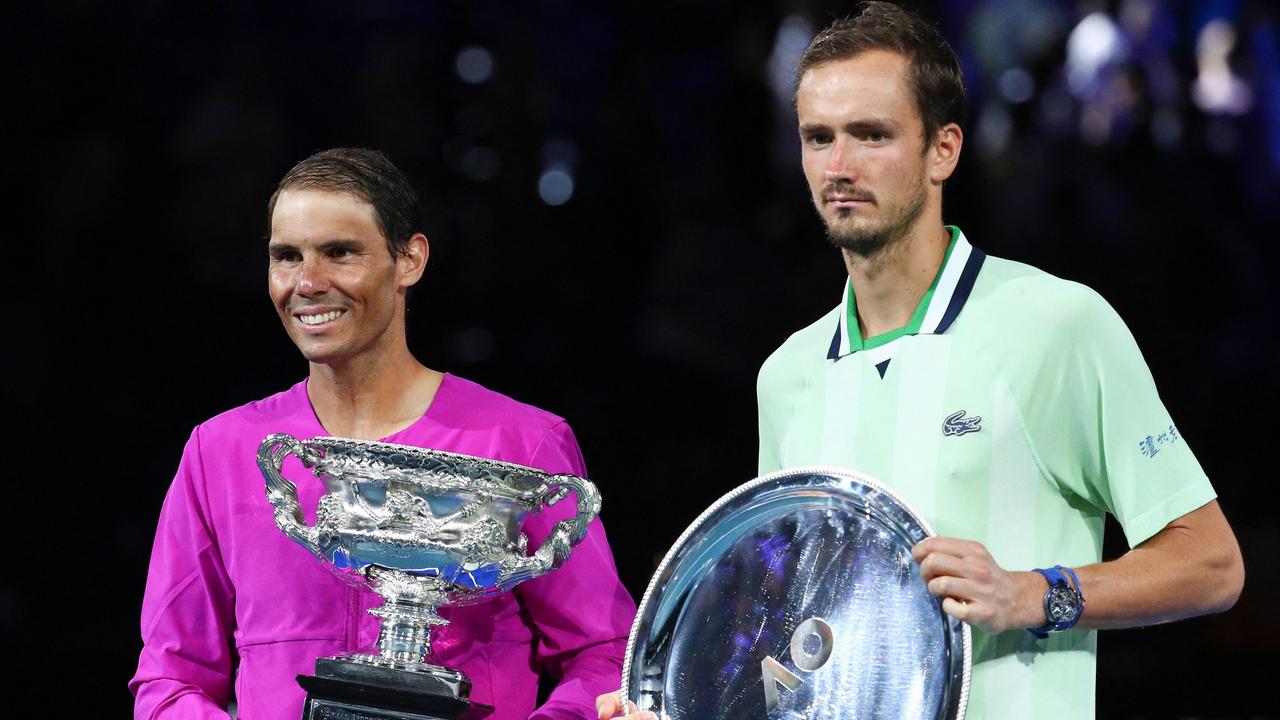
{"x":230,"y":599}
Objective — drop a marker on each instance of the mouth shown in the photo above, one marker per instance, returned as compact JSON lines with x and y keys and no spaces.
{"x":843,"y":195}
{"x":318,"y":319}
{"x":846,"y":201}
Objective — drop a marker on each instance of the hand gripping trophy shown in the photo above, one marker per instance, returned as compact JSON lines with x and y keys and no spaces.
{"x":423,"y":529}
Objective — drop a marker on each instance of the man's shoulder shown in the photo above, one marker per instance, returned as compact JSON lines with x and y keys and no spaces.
{"x":1017,"y":300}
{"x":805,"y":348}
{"x":478,"y":404}
{"x":273,"y":409}
{"x":469,"y":418}
{"x":1030,"y":325}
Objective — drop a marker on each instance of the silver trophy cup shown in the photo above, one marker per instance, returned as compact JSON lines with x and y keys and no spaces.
{"x":423,"y":529}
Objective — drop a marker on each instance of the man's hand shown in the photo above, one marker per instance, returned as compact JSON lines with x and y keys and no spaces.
{"x":610,"y":706}
{"x":974,"y":589}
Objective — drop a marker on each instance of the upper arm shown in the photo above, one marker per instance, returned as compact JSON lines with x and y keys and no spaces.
{"x":187,"y":616}
{"x":1203,"y":536}
{"x":1097,"y":424}
{"x":581,"y":611}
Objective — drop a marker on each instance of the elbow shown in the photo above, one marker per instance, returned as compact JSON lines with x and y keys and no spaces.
{"x":1228,"y":571}
{"x":1235,"y":581}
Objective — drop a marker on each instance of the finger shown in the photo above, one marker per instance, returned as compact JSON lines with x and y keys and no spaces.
{"x":955,"y":588}
{"x":957,"y":609}
{"x":935,"y":545}
{"x":920,"y":550}
{"x":634,"y":713}
{"x":609,"y":705}
{"x":937,"y":564}
{"x":948,"y":545}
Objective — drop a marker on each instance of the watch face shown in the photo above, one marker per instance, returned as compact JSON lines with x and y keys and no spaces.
{"x":1062,"y":605}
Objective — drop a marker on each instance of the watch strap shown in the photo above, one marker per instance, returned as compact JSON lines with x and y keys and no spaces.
{"x":1057,"y":577}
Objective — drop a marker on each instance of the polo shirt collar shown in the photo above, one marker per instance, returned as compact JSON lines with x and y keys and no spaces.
{"x":933,"y":315}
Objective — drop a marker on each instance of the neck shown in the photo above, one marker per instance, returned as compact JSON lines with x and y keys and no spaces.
{"x":372,"y":396}
{"x":889,"y":284}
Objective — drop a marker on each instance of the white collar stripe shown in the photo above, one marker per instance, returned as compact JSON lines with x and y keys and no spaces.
{"x":946,"y":285}
{"x":954,"y":285}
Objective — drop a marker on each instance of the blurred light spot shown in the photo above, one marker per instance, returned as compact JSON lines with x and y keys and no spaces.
{"x":1217,"y":90}
{"x":1166,"y":128}
{"x":472,"y":344}
{"x":480,"y":163}
{"x":995,"y":129}
{"x":1016,"y":85}
{"x":555,"y":187}
{"x":1095,"y":43}
{"x":474,"y":64}
{"x":794,"y":34}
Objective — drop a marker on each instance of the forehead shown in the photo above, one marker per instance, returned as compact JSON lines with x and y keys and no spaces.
{"x":301,"y":215}
{"x":871,"y":84}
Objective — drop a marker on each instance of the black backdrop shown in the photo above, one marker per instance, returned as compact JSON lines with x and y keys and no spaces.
{"x":147,"y":139}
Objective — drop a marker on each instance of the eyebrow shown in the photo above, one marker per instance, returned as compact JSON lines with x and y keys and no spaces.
{"x":855,"y":126}
{"x":274,"y":247}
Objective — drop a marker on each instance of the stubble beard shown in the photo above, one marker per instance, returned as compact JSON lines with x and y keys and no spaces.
{"x":872,"y":241}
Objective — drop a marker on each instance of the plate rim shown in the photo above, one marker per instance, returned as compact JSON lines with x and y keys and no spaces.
{"x":800,"y":470}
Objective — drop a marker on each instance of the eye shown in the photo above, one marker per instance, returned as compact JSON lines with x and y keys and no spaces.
{"x":339,"y":253}
{"x":285,"y":256}
{"x":818,"y":139}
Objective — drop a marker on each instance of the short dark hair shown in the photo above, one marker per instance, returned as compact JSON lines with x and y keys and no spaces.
{"x":934,"y":76}
{"x":367,"y":174}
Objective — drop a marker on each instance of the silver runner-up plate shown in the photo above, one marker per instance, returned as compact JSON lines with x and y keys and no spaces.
{"x":795,"y":596}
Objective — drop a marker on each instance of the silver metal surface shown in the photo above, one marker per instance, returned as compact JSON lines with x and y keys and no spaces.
{"x":795,"y":596}
{"x":422,"y":528}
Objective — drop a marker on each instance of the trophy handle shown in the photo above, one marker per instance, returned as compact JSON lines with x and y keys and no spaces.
{"x":283,"y":494}
{"x":567,"y":533}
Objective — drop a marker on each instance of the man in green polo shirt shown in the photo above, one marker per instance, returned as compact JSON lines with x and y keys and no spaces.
{"x":1011,"y":408}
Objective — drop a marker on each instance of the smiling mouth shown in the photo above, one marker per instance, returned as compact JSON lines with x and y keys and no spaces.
{"x":321,"y":318}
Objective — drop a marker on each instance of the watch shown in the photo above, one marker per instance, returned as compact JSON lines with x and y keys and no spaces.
{"x":1063,"y":601}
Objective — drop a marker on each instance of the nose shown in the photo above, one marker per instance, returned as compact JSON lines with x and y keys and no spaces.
{"x":840,"y":162}
{"x":312,"y":278}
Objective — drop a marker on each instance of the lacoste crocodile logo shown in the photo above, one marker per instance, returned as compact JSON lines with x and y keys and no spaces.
{"x":957,"y":424}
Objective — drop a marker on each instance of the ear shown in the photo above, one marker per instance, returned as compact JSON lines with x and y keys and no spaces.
{"x":945,"y":153}
{"x":413,"y":261}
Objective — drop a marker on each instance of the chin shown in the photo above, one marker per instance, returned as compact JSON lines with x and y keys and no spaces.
{"x":321,"y":355}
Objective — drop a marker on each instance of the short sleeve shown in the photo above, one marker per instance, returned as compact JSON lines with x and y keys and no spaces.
{"x":1098,"y":426}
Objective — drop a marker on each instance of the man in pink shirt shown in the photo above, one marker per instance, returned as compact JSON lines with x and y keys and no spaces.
{"x":230,"y":600}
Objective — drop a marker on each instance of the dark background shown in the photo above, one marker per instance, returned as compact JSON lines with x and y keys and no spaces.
{"x":148,"y":136}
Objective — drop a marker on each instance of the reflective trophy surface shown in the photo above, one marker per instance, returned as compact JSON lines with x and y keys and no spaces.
{"x":423,"y":529}
{"x":794,"y":597}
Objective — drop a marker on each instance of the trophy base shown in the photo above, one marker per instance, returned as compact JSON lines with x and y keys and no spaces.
{"x":346,"y":690}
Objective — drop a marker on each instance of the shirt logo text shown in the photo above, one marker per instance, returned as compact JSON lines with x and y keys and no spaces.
{"x":1151,"y":444}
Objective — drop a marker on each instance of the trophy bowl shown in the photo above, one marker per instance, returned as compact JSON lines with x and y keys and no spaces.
{"x":422,"y":528}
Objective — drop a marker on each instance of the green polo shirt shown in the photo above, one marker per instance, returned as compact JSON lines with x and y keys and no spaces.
{"x":1014,"y":409}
